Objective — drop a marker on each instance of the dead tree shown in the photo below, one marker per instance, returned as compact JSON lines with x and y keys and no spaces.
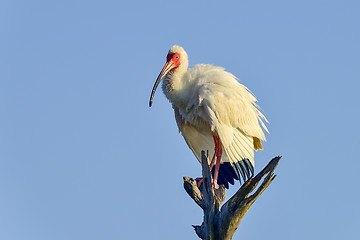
{"x":221,"y":224}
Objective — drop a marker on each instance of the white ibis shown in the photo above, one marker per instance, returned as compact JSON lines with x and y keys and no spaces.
{"x":213,"y":112}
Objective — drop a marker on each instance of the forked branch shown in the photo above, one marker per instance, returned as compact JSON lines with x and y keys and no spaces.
{"x":221,"y":224}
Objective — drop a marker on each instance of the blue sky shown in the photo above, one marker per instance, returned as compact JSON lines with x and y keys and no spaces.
{"x":82,"y":156}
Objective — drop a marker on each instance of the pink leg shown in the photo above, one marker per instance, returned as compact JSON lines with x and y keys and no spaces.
{"x":217,"y":156}
{"x":218,"y":152}
{"x":216,"y":139}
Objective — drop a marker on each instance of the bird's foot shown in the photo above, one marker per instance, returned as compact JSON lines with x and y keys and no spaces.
{"x":200,"y":180}
{"x":214,"y":183}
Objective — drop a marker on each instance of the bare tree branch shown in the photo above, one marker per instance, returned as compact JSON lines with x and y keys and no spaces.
{"x":221,"y":224}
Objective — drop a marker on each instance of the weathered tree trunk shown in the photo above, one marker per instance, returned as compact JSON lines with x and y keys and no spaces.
{"x":221,"y":224}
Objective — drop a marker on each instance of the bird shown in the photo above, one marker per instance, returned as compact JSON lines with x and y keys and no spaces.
{"x":214,"y":112}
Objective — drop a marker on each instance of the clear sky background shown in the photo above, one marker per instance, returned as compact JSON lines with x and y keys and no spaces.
{"x":82,"y":156}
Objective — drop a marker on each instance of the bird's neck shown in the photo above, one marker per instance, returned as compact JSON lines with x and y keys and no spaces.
{"x":175,"y":85}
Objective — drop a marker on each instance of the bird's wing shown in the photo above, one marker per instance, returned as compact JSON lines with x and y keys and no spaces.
{"x":233,"y":103}
{"x":232,"y":113}
{"x":218,"y":103}
{"x":201,"y":139}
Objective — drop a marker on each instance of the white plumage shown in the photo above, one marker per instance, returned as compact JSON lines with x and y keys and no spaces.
{"x":210,"y":103}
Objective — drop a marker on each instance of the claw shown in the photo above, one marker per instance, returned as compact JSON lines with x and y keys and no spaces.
{"x":199,"y":181}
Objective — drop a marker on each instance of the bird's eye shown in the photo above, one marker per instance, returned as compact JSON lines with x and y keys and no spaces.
{"x":177,"y":56}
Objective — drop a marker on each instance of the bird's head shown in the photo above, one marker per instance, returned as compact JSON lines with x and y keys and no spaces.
{"x":176,"y":61}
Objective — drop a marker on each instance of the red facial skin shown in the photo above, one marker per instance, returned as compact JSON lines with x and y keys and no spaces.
{"x":175,"y":58}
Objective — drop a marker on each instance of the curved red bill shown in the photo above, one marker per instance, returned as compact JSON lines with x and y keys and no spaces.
{"x":168,"y":66}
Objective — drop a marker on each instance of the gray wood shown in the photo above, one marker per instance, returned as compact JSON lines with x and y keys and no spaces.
{"x":221,"y":223}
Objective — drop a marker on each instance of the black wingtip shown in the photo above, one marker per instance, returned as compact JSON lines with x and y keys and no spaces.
{"x":229,"y":172}
{"x":245,"y":169}
{"x":227,"y":175}
{"x":249,"y":166}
